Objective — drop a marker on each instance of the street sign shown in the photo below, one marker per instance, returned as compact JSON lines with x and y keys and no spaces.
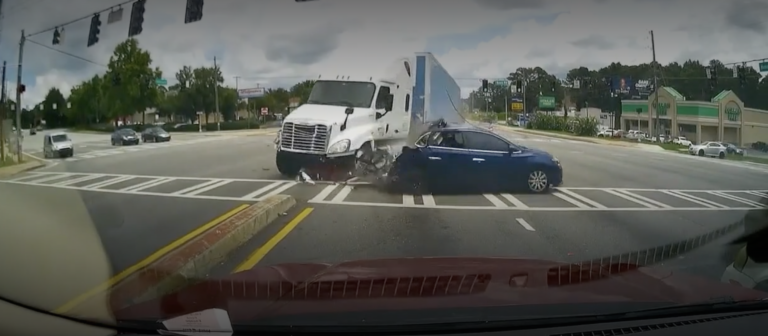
{"x":501,"y":82}
{"x":161,"y":82}
{"x":264,"y":110}
{"x":250,"y":93}
{"x":763,"y":66}
{"x":546,"y":102}
{"x":517,"y":106}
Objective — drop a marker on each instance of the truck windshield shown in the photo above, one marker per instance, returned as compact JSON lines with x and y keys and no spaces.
{"x":350,"y":94}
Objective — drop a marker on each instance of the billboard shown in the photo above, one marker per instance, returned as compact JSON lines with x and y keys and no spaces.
{"x":251,"y":93}
{"x":516,"y":106}
{"x":547,"y":102}
{"x":622,"y":85}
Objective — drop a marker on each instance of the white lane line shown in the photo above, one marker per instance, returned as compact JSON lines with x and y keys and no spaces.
{"x":408,"y":200}
{"x":323,"y":194}
{"x":643,"y":198}
{"x":50,"y":178}
{"x":571,"y":200}
{"x":219,"y":183}
{"x":516,"y":202}
{"x":343,"y":193}
{"x":691,"y":199}
{"x":280,"y":189}
{"x":107,"y":182}
{"x":631,"y":199}
{"x":757,"y":193}
{"x":147,"y":185}
{"x":525,"y":224}
{"x":263,"y":190}
{"x":583,"y":199}
{"x":495,"y":201}
{"x":78,"y":180}
{"x":195,"y":187}
{"x":737,"y":199}
{"x":428,"y":200}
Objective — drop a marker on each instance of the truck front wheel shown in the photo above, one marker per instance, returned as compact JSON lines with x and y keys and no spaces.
{"x":286,"y":165}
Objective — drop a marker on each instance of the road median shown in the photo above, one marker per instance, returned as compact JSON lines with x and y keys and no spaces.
{"x":593,"y":140}
{"x":182,"y":263}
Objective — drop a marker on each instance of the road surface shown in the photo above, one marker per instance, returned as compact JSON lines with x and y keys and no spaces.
{"x":615,"y":200}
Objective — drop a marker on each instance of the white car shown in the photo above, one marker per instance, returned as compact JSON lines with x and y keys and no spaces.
{"x":709,"y":148}
{"x":682,"y":141}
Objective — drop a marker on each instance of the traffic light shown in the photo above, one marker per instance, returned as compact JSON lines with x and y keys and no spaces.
{"x":194,"y":11}
{"x":56,"y":36}
{"x":116,"y":79}
{"x":93,"y":33}
{"x":554,"y":85}
{"x":22,"y":88}
{"x":519,"y":86}
{"x":712,"y":76}
{"x":742,"y":74}
{"x":135,"y":26}
{"x":485,"y":85}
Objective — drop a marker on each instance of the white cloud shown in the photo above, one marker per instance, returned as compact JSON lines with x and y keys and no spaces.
{"x":257,"y":40}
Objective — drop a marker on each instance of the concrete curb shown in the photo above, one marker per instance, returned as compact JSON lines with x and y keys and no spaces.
{"x":21,"y":168}
{"x":192,"y":262}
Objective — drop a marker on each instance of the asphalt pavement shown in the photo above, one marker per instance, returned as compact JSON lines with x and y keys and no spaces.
{"x":614,"y":200}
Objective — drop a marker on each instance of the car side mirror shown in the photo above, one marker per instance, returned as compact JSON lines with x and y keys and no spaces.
{"x":379,"y":115}
{"x":349,"y":111}
{"x":513,"y":149}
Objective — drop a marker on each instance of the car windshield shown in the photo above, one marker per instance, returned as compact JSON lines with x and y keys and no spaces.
{"x":344,"y":93}
{"x":378,"y":162}
{"x":59,"y":138}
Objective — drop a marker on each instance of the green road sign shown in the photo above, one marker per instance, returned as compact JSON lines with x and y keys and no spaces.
{"x":763,"y":66}
{"x":161,"y":82}
{"x":501,"y":82}
{"x":546,"y":102}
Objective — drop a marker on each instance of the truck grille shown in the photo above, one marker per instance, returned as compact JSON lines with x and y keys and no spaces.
{"x":304,"y":138}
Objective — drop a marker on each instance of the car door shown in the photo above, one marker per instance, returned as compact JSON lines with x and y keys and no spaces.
{"x":491,"y":166}
{"x":446,"y":160}
{"x":713,"y":149}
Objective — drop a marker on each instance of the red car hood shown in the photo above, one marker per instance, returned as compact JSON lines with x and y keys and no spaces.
{"x":429,"y":283}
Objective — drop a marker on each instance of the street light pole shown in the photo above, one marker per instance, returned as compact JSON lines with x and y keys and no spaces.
{"x":216,"y":92}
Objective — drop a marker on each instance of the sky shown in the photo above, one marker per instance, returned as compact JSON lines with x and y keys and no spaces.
{"x":276,"y":43}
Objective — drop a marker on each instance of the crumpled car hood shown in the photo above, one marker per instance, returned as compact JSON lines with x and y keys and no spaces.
{"x":430,"y":283}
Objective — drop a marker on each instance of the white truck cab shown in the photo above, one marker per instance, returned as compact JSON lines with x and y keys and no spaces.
{"x":345,"y":114}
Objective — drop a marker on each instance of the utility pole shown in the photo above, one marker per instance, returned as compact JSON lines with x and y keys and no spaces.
{"x":656,"y":88}
{"x":216,"y":92}
{"x":3,"y":107}
{"x":18,"y":98}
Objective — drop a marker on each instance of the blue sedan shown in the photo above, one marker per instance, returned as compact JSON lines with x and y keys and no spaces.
{"x":469,"y":159}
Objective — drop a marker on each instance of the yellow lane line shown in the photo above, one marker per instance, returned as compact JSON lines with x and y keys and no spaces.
{"x":147,"y":261}
{"x":262,"y":251}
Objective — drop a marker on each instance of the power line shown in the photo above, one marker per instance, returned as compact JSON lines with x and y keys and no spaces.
{"x":66,"y":53}
{"x":82,"y":18}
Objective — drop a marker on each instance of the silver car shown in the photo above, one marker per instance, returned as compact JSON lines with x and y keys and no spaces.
{"x":709,"y":148}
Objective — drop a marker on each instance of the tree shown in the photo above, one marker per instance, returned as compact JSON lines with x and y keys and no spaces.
{"x":54,"y":109}
{"x":133,"y":87}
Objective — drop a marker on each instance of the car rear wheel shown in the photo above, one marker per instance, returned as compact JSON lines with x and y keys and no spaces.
{"x":538,"y":182}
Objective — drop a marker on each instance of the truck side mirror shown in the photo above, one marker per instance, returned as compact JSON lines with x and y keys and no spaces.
{"x":349,"y":111}
{"x":379,"y":115}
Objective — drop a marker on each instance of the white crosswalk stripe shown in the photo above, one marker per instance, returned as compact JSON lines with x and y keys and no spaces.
{"x":139,"y":148}
{"x":362,"y":194}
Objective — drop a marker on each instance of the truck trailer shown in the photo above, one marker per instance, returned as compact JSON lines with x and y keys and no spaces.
{"x":348,"y":123}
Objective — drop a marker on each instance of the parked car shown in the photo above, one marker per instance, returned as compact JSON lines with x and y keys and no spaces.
{"x":155,"y":134}
{"x":125,"y":136}
{"x":733,"y":149}
{"x":470,"y":159}
{"x":709,"y":148}
{"x":682,"y":141}
{"x":57,"y":145}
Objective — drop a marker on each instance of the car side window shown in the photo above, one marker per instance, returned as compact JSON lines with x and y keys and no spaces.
{"x":486,"y":142}
{"x":451,"y":139}
{"x":422,"y":140}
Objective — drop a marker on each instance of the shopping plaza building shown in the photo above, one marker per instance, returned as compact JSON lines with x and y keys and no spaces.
{"x":724,"y":118}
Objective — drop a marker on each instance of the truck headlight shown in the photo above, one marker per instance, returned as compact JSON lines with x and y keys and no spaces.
{"x":277,"y":138}
{"x":339,"y":147}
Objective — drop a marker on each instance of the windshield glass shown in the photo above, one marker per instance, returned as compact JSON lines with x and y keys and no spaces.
{"x":533,"y":160}
{"x":351,"y":94}
{"x":59,"y":138}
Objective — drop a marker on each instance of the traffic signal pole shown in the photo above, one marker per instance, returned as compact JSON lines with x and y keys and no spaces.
{"x":18,"y":98}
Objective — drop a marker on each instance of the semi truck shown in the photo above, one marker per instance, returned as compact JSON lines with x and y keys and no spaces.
{"x":347,"y":123}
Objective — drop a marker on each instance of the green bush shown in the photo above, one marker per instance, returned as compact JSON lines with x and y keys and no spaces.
{"x":577,"y":126}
